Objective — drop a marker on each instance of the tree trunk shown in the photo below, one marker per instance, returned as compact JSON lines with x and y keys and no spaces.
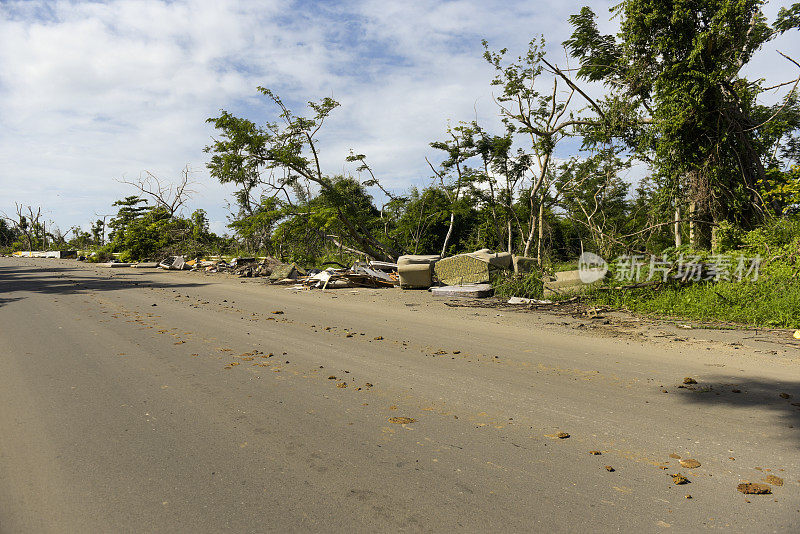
{"x":449,"y":233}
{"x":529,"y":240}
{"x":677,"y":225}
{"x":541,"y":233}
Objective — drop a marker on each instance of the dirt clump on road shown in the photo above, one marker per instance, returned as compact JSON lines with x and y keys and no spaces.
{"x":679,"y":479}
{"x":402,"y":420}
{"x":775,"y":481}
{"x":753,"y":488}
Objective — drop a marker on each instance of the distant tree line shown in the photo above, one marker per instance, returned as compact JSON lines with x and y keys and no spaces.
{"x":719,"y":161}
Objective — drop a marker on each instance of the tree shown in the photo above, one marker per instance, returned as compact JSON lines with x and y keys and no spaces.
{"x":26,"y":222}
{"x":678,"y":100}
{"x":167,"y":195}
{"x":544,"y":117}
{"x":454,"y":175}
{"x":283,"y":156}
{"x":98,"y":231}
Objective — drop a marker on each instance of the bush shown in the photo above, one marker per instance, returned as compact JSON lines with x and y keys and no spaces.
{"x":528,"y":285}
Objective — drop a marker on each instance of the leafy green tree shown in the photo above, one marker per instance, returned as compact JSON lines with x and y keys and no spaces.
{"x":678,"y":99}
{"x":454,"y":174}
{"x":283,"y":156}
{"x":543,"y":116}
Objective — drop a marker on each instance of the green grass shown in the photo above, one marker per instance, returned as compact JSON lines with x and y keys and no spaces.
{"x":527,"y":286}
{"x":769,"y":301}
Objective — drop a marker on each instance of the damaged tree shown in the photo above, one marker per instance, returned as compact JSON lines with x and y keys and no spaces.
{"x":544,"y":117}
{"x":167,"y":195}
{"x":27,"y":224}
{"x":678,"y":100}
{"x":283,"y":156}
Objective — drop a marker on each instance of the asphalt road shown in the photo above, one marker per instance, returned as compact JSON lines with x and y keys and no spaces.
{"x":135,"y":400}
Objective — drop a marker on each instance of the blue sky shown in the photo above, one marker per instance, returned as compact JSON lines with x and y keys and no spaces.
{"x":91,"y":92}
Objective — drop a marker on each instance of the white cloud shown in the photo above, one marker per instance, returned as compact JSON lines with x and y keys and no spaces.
{"x":93,"y":91}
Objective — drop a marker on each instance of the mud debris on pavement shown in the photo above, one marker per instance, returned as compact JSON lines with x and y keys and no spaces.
{"x":774,"y":480}
{"x":678,"y":479}
{"x":402,"y":420}
{"x":754,"y":488}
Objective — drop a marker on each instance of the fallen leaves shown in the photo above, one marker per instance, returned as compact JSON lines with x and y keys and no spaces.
{"x":689,"y":380}
{"x":753,"y":488}
{"x":609,"y":469}
{"x":277,"y":312}
{"x":785,"y":396}
{"x":558,"y":435}
{"x":689,"y":463}
{"x":341,"y":385}
{"x":595,"y":453}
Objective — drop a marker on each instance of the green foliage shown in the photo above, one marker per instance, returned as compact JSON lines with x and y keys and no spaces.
{"x":527,"y":285}
{"x":773,"y":299}
{"x":767,"y":302}
{"x":691,"y":113}
{"x":283,"y":155}
{"x":728,"y":237}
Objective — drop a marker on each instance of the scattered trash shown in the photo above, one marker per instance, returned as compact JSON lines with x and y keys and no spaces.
{"x":689,"y":463}
{"x":797,"y":334}
{"x":753,"y":488}
{"x":522,"y":300}
{"x":174,"y":263}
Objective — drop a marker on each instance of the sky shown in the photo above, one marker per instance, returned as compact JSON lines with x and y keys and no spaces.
{"x":95,"y":92}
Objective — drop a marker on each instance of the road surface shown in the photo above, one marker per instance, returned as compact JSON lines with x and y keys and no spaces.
{"x":134,"y":400}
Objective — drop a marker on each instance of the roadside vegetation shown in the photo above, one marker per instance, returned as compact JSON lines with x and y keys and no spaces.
{"x":720,"y":153}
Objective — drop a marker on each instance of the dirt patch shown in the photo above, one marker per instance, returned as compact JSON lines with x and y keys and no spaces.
{"x":752,"y":488}
{"x":775,"y":481}
{"x":402,"y":420}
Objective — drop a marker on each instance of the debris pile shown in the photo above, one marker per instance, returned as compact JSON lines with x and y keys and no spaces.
{"x":373,"y":274}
